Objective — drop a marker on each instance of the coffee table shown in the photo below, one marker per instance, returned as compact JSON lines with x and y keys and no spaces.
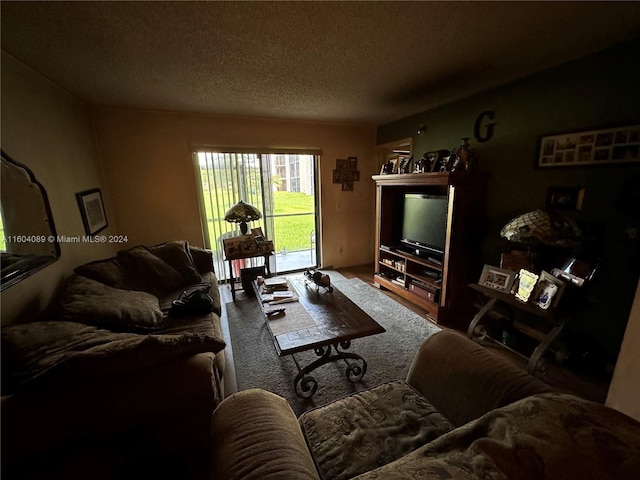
{"x":322,"y":321}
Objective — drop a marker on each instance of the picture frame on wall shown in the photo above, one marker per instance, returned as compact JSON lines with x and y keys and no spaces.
{"x":92,"y":211}
{"x":496,"y":278}
{"x":565,"y":198}
{"x":590,"y":147}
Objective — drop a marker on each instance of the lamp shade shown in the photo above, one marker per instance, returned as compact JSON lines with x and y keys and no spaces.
{"x":542,"y":228}
{"x":242,"y":213}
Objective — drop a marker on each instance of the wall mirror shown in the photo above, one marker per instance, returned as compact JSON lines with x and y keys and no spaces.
{"x":28,"y":240}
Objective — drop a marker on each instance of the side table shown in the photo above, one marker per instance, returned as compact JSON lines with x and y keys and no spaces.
{"x":245,"y":247}
{"x":553,"y":319}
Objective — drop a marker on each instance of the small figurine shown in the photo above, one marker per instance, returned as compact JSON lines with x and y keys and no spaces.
{"x":421,"y":165}
{"x":467,"y":158}
{"x":319,"y":279}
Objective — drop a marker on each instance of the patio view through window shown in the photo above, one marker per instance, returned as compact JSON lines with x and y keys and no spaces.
{"x":281,"y":185}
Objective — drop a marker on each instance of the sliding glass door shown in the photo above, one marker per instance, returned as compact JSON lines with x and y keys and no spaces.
{"x":281,"y":185}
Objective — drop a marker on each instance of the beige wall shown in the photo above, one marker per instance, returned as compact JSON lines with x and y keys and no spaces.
{"x":50,"y":132}
{"x":142,"y":163}
{"x":624,"y":391}
{"x":148,"y":166}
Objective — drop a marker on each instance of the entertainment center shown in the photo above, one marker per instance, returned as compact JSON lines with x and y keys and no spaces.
{"x":428,"y":240}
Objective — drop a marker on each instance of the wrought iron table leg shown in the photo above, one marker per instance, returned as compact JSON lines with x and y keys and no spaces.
{"x":233,"y":282}
{"x":305,"y":385}
{"x":536,"y":362}
{"x":471,"y":333}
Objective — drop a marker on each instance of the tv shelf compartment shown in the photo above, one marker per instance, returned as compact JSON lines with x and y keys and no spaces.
{"x":431,"y":307}
{"x":439,"y":288}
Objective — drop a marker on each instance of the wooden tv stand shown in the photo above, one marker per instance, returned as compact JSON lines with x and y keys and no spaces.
{"x":439,"y":284}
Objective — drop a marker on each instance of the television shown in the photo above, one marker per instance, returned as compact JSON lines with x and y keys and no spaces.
{"x":424,"y":223}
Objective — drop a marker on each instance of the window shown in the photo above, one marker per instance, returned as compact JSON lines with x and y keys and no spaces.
{"x":281,"y":185}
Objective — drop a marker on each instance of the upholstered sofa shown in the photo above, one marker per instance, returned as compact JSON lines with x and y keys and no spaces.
{"x":107,"y":384}
{"x":463,"y":413}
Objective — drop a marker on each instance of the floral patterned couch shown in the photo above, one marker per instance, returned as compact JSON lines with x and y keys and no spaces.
{"x":463,"y":413}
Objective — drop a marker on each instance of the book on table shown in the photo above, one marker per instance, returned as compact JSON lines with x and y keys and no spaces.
{"x":282,"y":294}
{"x":276,"y":284}
{"x":278,"y":301}
{"x":279,"y":296}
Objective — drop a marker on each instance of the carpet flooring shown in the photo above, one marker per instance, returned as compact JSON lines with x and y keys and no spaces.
{"x":388,"y":355}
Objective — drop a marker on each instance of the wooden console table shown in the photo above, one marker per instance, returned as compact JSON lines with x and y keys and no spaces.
{"x":244,"y":247}
{"x":552,"y":318}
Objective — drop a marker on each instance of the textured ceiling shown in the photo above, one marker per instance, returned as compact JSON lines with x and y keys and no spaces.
{"x":369,"y":62}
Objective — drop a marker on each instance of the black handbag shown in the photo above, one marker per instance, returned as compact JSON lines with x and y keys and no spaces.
{"x":197,"y":302}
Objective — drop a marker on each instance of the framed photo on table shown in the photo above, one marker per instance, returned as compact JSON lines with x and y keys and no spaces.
{"x":231,"y":247}
{"x":526,"y":283}
{"x":496,"y":278}
{"x":547,"y":291}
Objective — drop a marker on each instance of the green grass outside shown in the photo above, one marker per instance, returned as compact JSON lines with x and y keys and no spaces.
{"x":291,"y":233}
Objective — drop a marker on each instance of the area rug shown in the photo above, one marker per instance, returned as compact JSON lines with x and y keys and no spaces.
{"x":388,"y":355}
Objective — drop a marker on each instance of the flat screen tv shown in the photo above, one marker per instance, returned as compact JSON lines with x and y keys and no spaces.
{"x":424,"y":222}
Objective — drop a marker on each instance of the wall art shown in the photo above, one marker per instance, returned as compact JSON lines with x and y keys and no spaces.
{"x":346,"y":172}
{"x":591,"y":147}
{"x":565,"y":198}
{"x":92,"y":210}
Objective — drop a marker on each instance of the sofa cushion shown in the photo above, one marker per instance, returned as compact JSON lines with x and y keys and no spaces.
{"x":370,"y":428}
{"x":178,"y":255}
{"x":107,"y":271}
{"x":134,"y":269}
{"x":550,"y":435}
{"x":202,"y":258}
{"x":87,"y":301}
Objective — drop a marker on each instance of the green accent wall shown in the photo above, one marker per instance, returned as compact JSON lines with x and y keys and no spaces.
{"x":597,"y":91}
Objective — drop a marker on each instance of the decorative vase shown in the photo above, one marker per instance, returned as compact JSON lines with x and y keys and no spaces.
{"x":467,"y":160}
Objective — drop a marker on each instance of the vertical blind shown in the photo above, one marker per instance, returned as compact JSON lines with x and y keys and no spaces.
{"x":225,"y":179}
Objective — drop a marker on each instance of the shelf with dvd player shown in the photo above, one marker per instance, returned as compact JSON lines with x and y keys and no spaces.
{"x":427,"y":248}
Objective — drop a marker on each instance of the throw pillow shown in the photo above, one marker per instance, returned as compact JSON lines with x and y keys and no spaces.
{"x":108,"y":271}
{"x":177,"y":254}
{"x":135,"y":269}
{"x":88,"y":301}
{"x":202,"y":258}
{"x":148,"y":273}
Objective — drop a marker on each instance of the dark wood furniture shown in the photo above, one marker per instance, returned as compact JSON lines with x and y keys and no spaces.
{"x":244,"y":247}
{"x":438,"y":287}
{"x":323,"y":321}
{"x":548,"y":328}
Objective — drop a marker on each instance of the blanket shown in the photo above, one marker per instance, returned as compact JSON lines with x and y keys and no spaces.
{"x":41,"y":354}
{"x":550,"y":435}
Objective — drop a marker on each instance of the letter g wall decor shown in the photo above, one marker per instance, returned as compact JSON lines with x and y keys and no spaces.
{"x":485,"y":119}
